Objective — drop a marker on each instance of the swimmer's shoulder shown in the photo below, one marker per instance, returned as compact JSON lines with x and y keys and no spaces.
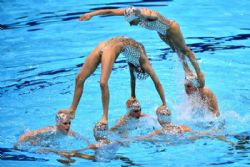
{"x":34,"y":133}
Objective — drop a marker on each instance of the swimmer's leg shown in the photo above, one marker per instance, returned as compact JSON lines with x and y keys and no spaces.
{"x":107,"y":63}
{"x":167,"y":39}
{"x":177,"y":38}
{"x":87,"y":69}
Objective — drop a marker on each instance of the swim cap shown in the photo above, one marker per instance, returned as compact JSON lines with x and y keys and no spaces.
{"x":100,"y":131}
{"x":140,"y":74}
{"x":192,"y":79}
{"x":163,"y":115}
{"x":62,"y":116}
{"x":131,"y":14}
{"x":135,"y":106}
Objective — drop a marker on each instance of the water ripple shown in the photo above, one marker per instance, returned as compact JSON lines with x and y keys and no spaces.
{"x":7,"y":154}
{"x":53,"y":17}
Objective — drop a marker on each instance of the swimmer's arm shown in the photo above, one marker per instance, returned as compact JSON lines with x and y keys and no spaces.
{"x":147,"y":67}
{"x":85,"y":156}
{"x":116,"y":12}
{"x":132,"y":80}
{"x":210,"y":134}
{"x":221,"y":138}
{"x":200,"y":75}
{"x":32,"y":134}
{"x":147,"y":137}
{"x":91,"y":146}
{"x":120,"y":123}
{"x":213,"y":104}
{"x":63,"y":153}
{"x":68,"y":153}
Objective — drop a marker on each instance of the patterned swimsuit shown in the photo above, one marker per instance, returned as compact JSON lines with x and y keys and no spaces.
{"x":132,"y":50}
{"x":161,"y":24}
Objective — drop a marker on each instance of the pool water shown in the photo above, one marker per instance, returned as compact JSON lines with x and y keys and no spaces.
{"x":43,"y":46}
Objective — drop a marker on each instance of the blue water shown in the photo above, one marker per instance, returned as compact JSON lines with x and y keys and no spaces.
{"x":43,"y":46}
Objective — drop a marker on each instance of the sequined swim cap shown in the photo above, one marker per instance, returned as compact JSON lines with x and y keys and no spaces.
{"x":131,"y":13}
{"x":163,"y":115}
{"x":134,"y":106}
{"x":100,"y":131}
{"x":192,"y":79}
{"x":140,"y":74}
{"x":62,"y":116}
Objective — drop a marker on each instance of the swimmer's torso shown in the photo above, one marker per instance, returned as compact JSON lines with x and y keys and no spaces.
{"x":131,"y":49}
{"x":161,"y":25}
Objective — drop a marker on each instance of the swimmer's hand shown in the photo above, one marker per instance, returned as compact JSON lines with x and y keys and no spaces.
{"x":163,"y":108}
{"x":85,"y":17}
{"x":131,"y":100}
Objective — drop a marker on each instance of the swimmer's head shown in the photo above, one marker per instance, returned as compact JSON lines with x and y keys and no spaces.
{"x":63,"y":121}
{"x":100,"y":131}
{"x":163,"y":116}
{"x":132,"y":15}
{"x":133,"y":108}
{"x":191,"y":84}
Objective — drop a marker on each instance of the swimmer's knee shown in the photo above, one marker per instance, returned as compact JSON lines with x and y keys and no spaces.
{"x":174,"y":25}
{"x":103,"y":84}
{"x":101,"y":45}
{"x":80,"y":79}
{"x":187,"y":51}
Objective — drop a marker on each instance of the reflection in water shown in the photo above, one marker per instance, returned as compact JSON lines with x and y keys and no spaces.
{"x":7,"y":154}
{"x":142,"y":3}
{"x":53,"y":17}
{"x":212,"y":43}
{"x":241,"y":149}
{"x":243,"y":144}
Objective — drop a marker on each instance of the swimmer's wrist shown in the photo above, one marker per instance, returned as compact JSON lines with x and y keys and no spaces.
{"x":71,"y":109}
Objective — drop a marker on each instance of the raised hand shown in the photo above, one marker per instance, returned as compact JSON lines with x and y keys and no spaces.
{"x":85,"y":17}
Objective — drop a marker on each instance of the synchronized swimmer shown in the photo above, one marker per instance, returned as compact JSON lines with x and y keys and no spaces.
{"x":105,"y":54}
{"x":62,"y":128}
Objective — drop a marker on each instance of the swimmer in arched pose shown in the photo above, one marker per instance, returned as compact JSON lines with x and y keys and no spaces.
{"x":105,"y":54}
{"x":167,"y":29}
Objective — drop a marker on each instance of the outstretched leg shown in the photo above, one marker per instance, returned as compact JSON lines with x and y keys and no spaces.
{"x":108,"y":59}
{"x":87,"y":69}
{"x":176,"y":38}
